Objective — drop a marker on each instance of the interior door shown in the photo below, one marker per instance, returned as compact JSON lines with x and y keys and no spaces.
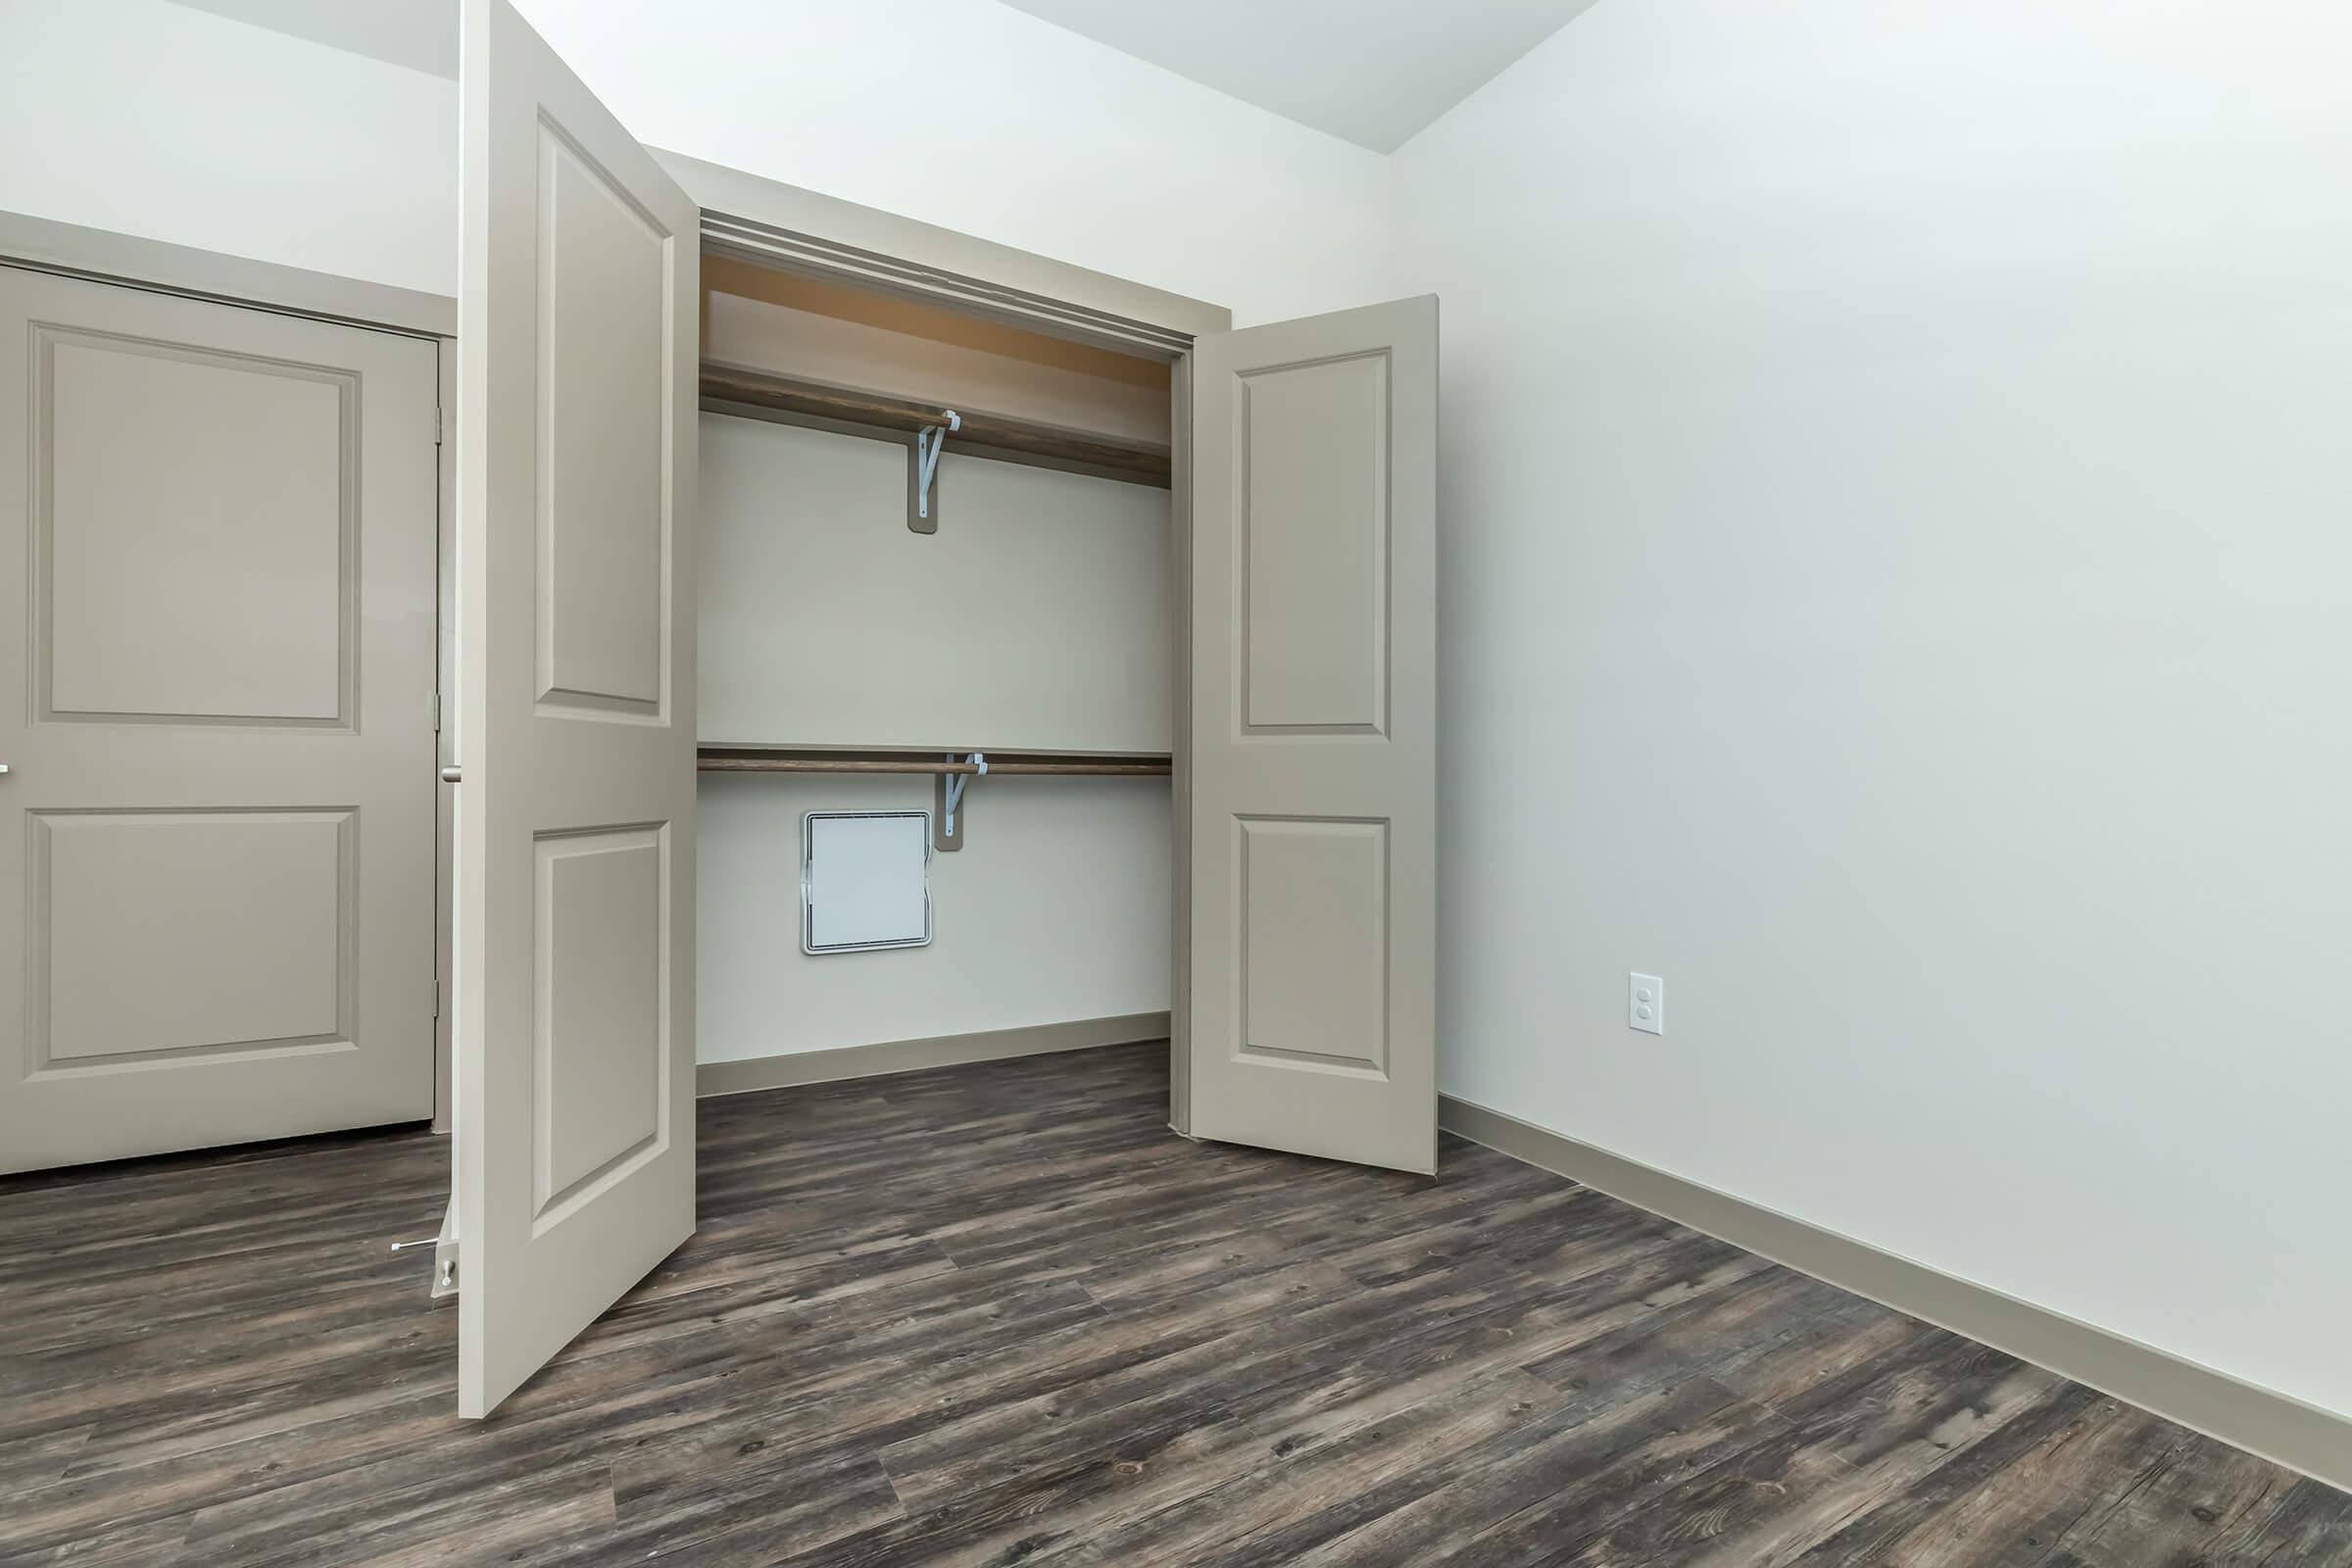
{"x":577,"y":332}
{"x":1313,"y":789}
{"x":217,"y":530}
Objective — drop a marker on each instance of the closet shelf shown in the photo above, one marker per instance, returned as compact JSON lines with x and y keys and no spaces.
{"x":982,"y":433}
{"x":743,"y":760}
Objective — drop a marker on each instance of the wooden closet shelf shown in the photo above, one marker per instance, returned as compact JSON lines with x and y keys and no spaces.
{"x":1146,"y":462}
{"x":719,"y":760}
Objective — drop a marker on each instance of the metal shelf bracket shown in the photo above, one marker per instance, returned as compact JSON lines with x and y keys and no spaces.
{"x":928,"y":443}
{"x":948,"y":798}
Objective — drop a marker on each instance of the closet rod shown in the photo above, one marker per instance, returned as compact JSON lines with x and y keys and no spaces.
{"x":1144,"y":461}
{"x":1106,"y":767}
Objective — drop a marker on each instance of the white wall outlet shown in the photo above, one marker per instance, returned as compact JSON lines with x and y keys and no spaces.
{"x":1646,"y":1003}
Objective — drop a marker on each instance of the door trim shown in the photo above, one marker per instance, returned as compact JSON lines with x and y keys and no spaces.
{"x":1180,"y":748}
{"x":131,"y":260}
{"x":767,"y":220}
{"x":444,"y":756}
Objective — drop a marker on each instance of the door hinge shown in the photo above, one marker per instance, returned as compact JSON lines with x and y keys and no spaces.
{"x":436,"y":998}
{"x":436,"y":713}
{"x":440,"y":425}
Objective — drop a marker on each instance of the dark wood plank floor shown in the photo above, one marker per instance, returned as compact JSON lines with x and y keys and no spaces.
{"x":999,"y":1315}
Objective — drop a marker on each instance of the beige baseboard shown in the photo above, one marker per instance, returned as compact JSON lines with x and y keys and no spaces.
{"x":912,"y":1056}
{"x":2262,"y":1421}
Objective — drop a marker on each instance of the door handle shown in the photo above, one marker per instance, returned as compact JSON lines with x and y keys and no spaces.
{"x":453,"y":774}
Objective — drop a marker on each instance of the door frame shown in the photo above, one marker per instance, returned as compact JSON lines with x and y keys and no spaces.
{"x":751,"y":219}
{"x":104,"y":256}
{"x":159,"y":266}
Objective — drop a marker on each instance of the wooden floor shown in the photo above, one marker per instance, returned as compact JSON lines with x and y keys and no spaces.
{"x":998,"y":1315}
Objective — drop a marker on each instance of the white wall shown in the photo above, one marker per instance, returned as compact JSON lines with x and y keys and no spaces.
{"x":982,"y":119}
{"x":157,"y":119}
{"x":1055,"y":909}
{"x":1897,"y":585}
{"x":1037,"y":618}
{"x":151,"y":119}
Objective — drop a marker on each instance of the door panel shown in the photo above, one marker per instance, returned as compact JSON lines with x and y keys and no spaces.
{"x":214,"y":520}
{"x":235,"y":603}
{"x":146,"y":893}
{"x":601,"y":1042}
{"x":1313,"y":737}
{"x":1314,"y":940}
{"x":1314,"y":542}
{"x":575,"y":820}
{"x":604,"y":634}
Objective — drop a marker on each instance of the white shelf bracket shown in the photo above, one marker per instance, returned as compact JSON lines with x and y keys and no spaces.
{"x":928,"y":442}
{"x":950,"y":799}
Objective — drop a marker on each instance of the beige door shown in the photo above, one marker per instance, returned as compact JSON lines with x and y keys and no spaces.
{"x":1313,"y":828}
{"x":577,"y":331}
{"x":217,"y":547}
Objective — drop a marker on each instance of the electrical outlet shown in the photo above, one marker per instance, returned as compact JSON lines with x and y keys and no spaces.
{"x":1646,"y":1003}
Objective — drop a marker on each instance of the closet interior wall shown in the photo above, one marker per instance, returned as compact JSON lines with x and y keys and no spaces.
{"x":1038,"y":619}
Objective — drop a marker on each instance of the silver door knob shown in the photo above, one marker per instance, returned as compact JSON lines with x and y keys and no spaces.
{"x":452,"y":775}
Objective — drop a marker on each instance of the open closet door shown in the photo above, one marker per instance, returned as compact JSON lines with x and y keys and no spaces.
{"x":1313,"y":822}
{"x":577,"y":354}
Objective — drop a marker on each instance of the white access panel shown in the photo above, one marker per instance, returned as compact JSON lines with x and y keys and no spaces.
{"x":865,"y":880}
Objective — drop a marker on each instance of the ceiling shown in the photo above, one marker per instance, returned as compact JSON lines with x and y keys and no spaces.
{"x":421,"y":35}
{"x":1372,"y":71}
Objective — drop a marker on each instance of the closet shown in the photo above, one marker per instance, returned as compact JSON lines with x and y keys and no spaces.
{"x":866,"y":631}
{"x":990,"y":652}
